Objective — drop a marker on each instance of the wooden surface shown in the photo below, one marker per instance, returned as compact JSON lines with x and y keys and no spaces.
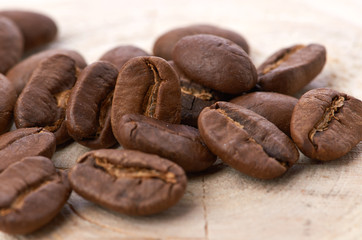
{"x":312,"y":201}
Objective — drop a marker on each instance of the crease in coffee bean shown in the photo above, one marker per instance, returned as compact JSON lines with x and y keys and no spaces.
{"x":328,"y":116}
{"x":105,"y":106}
{"x":201,"y":94}
{"x":150,"y":100}
{"x":119,"y":171}
{"x":284,"y":57}
{"x":40,"y":130}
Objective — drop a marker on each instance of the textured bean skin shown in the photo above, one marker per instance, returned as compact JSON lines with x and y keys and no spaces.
{"x":127,"y":181}
{"x":326,"y":124}
{"x":246,"y":141}
{"x":164,"y":45}
{"x":7,"y":102}
{"x":216,"y":63}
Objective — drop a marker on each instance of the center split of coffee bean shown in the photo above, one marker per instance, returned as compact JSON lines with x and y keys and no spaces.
{"x":150,"y":100}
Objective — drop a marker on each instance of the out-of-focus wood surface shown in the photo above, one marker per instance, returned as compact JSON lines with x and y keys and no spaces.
{"x":312,"y":201}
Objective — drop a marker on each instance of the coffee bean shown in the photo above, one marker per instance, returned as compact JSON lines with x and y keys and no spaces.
{"x":246,"y":141}
{"x":290,"y":69}
{"x":148,"y":86}
{"x":11,"y":44}
{"x":216,"y":63}
{"x":179,"y":143}
{"x":326,"y":124}
{"x":20,"y":74}
{"x":31,"y":194}
{"x":164,"y":45}
{"x":88,"y":114}
{"x":275,"y":107}
{"x":7,"y":102}
{"x":121,"y":54}
{"x":127,"y":181}
{"x":25,"y":142}
{"x":37,"y":29}
{"x":44,"y":99}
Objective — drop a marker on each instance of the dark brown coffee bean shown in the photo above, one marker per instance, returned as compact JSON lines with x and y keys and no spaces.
{"x":37,"y":29}
{"x":44,"y":99}
{"x":7,"y":102}
{"x":88,"y":114}
{"x":216,"y":63}
{"x":178,"y":143}
{"x":148,"y":86}
{"x":121,"y":54}
{"x":11,"y":44}
{"x":275,"y":107}
{"x":25,"y":142}
{"x":20,"y":74}
{"x":326,"y":124}
{"x":31,"y":194}
{"x":164,"y":45}
{"x":246,"y":141}
{"x":290,"y":69}
{"x":127,"y":181}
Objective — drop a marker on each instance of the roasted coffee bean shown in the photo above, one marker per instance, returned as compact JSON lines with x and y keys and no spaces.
{"x":121,"y":54}
{"x":179,"y":143}
{"x":216,"y":63}
{"x":326,"y":124}
{"x":275,"y":107}
{"x":164,"y":45}
{"x":7,"y":102}
{"x":246,"y":141}
{"x":11,"y":44}
{"x":127,"y":181}
{"x":44,"y":99}
{"x":20,"y":74}
{"x":290,"y":69}
{"x":32,"y":193}
{"x":148,"y":86}
{"x":25,"y":142}
{"x":37,"y":29}
{"x":88,"y":114}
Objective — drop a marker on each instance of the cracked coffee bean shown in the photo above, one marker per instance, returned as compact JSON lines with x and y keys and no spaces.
{"x":290,"y":69}
{"x":179,"y":143}
{"x":11,"y":44}
{"x":216,"y":63}
{"x":121,"y":54}
{"x":44,"y":99}
{"x":32,"y":193}
{"x":147,"y":86}
{"x":246,"y":141}
{"x":275,"y":107}
{"x":88,"y":114}
{"x":128,"y":181}
{"x":7,"y":102}
{"x":326,"y":124}
{"x":25,"y":142}
{"x":164,"y":45}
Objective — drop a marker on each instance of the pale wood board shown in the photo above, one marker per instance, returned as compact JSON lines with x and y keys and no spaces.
{"x":312,"y":201}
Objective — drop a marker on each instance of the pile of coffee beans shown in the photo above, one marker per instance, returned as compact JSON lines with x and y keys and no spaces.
{"x":198,"y":98}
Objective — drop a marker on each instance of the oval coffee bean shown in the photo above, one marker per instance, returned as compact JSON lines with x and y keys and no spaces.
{"x":148,"y":86}
{"x":246,"y":141}
{"x":275,"y":107}
{"x":164,"y":45}
{"x":44,"y":99}
{"x":326,"y":124}
{"x":179,"y":143}
{"x":25,"y":142}
{"x":20,"y":74}
{"x":32,"y":193}
{"x":88,"y":114}
{"x":7,"y":102}
{"x":37,"y":29}
{"x":216,"y":63}
{"x":127,"y":181}
{"x":11,"y":44}
{"x":121,"y":54}
{"x":290,"y":69}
